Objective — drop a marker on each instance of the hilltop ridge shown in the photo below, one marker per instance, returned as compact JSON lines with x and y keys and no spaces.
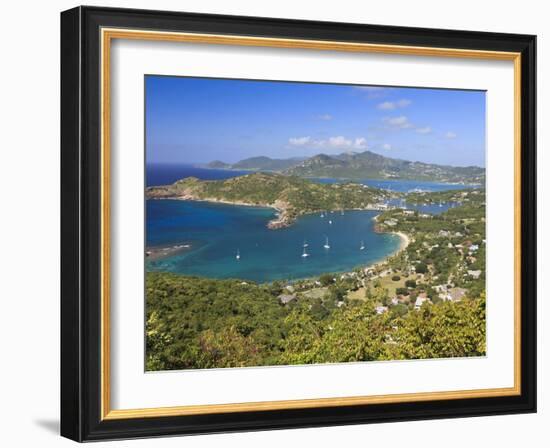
{"x":359,"y":165}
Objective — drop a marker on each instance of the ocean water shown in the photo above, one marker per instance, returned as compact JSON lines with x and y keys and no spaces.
{"x":165,"y":174}
{"x":217,"y":232}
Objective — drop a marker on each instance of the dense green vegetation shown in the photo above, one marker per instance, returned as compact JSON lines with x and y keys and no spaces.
{"x":203,"y":323}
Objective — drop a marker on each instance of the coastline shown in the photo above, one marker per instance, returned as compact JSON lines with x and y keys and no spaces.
{"x":159,"y":253}
{"x":405,"y":241}
{"x":283,"y":218}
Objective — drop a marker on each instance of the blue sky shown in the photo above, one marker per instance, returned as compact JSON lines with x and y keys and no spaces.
{"x":197,"y":120}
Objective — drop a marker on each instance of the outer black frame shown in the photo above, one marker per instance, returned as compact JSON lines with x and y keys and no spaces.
{"x":80,"y":223}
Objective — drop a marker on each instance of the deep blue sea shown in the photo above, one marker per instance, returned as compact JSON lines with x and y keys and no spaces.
{"x":161,"y":174}
{"x":216,"y":233}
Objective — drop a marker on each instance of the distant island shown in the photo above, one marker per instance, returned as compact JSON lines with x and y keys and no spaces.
{"x":359,"y":165}
{"x":291,"y":196}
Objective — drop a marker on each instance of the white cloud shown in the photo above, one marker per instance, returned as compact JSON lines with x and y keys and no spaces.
{"x":450,"y":135}
{"x":401,"y":122}
{"x":392,"y":105}
{"x":386,"y":105}
{"x":386,"y":146}
{"x":325,"y":117}
{"x":299,"y":141}
{"x":424,"y":130}
{"x":337,"y":142}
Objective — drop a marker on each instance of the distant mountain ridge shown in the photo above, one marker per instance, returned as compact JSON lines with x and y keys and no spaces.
{"x":363,"y":165}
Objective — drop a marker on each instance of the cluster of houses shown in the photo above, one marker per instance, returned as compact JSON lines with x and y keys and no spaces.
{"x":453,"y":294}
{"x":288,"y":296}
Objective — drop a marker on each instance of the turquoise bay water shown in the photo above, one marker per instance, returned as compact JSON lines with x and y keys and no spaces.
{"x":216,"y":232}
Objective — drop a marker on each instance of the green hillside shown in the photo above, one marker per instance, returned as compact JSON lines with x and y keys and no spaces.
{"x":364,"y":165}
{"x":368,"y":165}
{"x":291,"y":195}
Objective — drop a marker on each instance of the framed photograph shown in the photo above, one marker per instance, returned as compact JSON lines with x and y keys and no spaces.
{"x":276,"y":224}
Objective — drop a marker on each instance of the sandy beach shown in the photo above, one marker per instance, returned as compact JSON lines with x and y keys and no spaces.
{"x":405,"y":240}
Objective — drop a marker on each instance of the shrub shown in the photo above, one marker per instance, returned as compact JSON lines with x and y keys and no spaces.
{"x":421,"y":268}
{"x":326,"y":279}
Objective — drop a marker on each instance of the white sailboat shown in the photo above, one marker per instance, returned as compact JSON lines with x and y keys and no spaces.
{"x":305,"y":244}
{"x":327,"y":245}
{"x":362,"y":247}
{"x":238,"y":256}
{"x":322,"y":215}
{"x":330,"y":221}
{"x":304,"y":253}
